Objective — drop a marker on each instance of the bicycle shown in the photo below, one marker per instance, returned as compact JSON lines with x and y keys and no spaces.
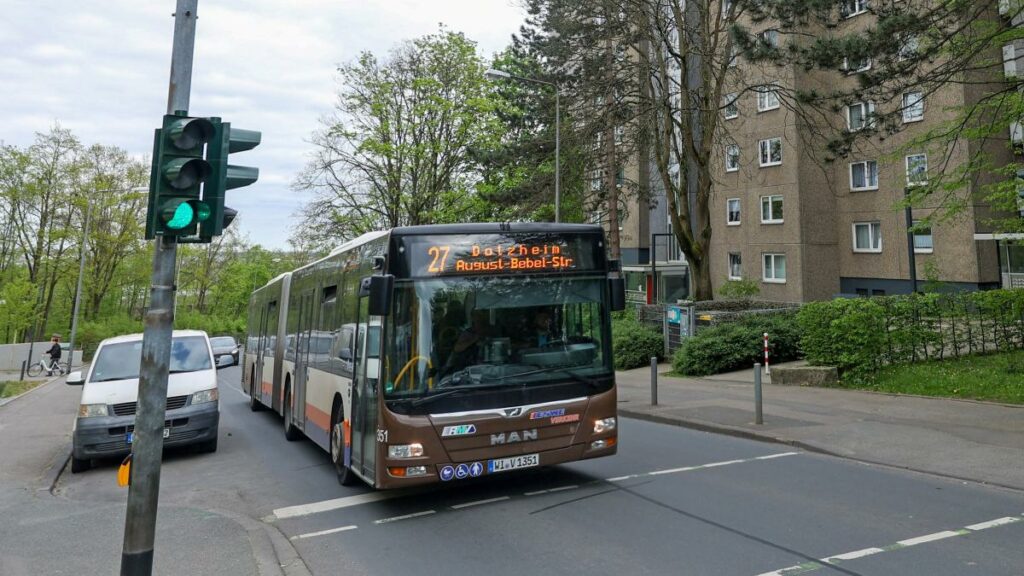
{"x":39,"y":367}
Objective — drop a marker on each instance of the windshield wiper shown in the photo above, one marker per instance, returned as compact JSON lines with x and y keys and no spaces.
{"x":564,"y":369}
{"x":449,"y":391}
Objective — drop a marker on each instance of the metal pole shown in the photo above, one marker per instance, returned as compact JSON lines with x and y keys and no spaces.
{"x":654,"y":269}
{"x":767,"y":367}
{"x":24,"y":364}
{"x":654,"y":380}
{"x":758,"y":416}
{"x":78,"y":288}
{"x":558,"y":147}
{"x":147,"y":448}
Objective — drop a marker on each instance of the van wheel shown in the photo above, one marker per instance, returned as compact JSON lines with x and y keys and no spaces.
{"x":291,"y":433}
{"x":78,"y":465}
{"x":346,"y":477}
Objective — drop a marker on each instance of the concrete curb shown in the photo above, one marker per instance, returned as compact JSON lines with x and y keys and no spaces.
{"x":273,"y":553}
{"x":765,"y":437}
{"x":53,"y":474}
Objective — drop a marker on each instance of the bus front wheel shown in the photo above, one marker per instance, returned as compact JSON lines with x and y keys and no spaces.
{"x":345,"y":475}
{"x":254,"y":404}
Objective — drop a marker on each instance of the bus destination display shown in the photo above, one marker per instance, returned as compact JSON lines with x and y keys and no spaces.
{"x":497,"y":255}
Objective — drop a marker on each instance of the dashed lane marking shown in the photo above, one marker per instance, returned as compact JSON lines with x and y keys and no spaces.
{"x":839,"y":558}
{"x":333,"y":504}
{"x":405,"y":517}
{"x":324,"y":532}
{"x":550,"y":490}
{"x":699,"y":467}
{"x":478,"y":502}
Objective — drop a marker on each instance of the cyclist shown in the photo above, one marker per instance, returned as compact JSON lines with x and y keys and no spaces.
{"x":54,"y":353}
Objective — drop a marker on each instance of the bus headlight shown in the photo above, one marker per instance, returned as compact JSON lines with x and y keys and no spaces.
{"x":405,"y":451}
{"x":204,"y":396}
{"x":604,"y":425}
{"x":91,"y":410}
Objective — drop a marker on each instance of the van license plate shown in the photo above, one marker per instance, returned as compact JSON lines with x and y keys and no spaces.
{"x":131,"y":435}
{"x":513,"y":463}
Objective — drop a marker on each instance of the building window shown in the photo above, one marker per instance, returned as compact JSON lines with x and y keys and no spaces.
{"x":734,"y":54}
{"x":923,"y":243}
{"x":860,"y":115}
{"x":867,"y":237}
{"x":732,"y":211}
{"x":735,"y":266}
{"x":850,"y":8}
{"x":855,"y":65}
{"x":620,"y":177}
{"x":732,"y":158}
{"x":732,"y":107}
{"x":771,"y":151}
{"x":864,"y":175}
{"x":767,"y":97}
{"x":771,"y":209}
{"x":595,"y":180}
{"x":774,"y":268}
{"x":913,"y":106}
{"x":769,"y":38}
{"x":908,"y":49}
{"x":917,"y":169}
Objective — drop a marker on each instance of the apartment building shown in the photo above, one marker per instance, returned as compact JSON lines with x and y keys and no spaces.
{"x":804,"y":227}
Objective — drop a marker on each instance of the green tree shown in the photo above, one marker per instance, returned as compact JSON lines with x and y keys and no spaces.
{"x":397,"y":150}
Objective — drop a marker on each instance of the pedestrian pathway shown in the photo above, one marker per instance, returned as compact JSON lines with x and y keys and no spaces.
{"x":959,"y":438}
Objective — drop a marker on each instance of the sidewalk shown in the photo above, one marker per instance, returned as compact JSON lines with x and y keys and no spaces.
{"x":45,"y":534}
{"x":976,"y":441}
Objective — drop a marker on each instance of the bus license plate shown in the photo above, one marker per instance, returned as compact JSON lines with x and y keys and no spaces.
{"x":513,"y":463}
{"x":131,"y":435}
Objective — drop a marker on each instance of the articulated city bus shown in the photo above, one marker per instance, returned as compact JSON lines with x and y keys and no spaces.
{"x":441,"y":353}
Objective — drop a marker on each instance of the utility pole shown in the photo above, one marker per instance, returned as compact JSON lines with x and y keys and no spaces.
{"x":78,"y":287}
{"x":148,"y":443}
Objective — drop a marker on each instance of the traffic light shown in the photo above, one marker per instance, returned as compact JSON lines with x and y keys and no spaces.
{"x":226,"y":140}
{"x":178,"y":171}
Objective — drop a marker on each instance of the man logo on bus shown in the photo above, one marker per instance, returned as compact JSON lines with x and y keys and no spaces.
{"x":512,"y":437}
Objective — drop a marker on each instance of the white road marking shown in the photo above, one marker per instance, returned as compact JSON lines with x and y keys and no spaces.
{"x":993,"y":523}
{"x":928,"y":538}
{"x":324,"y":532}
{"x":560,"y":488}
{"x":406,"y":517}
{"x":811,"y":566}
{"x":478,"y":502}
{"x":334,"y":504}
{"x":673,"y":470}
{"x":853,"y":555}
{"x":770,"y":456}
{"x":621,"y":478}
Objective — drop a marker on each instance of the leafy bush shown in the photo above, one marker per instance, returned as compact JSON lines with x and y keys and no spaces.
{"x":738,"y":345}
{"x":849,"y":334}
{"x":739,"y":289}
{"x":633,"y":344}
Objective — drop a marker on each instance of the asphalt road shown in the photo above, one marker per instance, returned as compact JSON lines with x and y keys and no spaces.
{"x":673,"y":501}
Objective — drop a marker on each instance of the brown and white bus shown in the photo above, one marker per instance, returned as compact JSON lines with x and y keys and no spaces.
{"x":442,"y":353}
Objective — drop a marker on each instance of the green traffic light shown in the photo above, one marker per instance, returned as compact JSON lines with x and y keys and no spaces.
{"x":183,"y":216}
{"x":202,"y":211}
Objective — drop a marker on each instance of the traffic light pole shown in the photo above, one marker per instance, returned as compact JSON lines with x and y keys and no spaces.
{"x":147,"y":445}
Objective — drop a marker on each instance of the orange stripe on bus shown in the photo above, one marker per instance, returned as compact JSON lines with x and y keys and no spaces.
{"x":267,"y":387}
{"x":318,"y":417}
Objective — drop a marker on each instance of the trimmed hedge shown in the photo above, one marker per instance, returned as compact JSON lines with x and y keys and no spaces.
{"x":633,"y":344}
{"x":738,"y":345}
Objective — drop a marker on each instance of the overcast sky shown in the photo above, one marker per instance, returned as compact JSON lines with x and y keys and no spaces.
{"x":100,"y":68}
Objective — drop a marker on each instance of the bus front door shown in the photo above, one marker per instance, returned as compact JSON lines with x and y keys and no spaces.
{"x":364,"y":410}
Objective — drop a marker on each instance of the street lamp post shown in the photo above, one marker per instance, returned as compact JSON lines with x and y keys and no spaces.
{"x":494,"y":74}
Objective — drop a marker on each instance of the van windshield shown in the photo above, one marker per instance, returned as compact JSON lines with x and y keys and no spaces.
{"x":121,"y":361}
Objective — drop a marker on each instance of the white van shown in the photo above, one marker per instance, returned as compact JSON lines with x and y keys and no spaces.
{"x":106,"y":417}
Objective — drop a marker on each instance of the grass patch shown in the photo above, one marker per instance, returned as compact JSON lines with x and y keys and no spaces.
{"x":15,"y":387}
{"x":993,"y":377}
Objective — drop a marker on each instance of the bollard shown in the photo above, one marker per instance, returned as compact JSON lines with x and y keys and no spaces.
{"x":758,"y":416}
{"x":654,"y":380}
{"x":23,"y":363}
{"x":767,"y":367}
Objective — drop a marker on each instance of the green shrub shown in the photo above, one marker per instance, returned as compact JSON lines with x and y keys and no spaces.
{"x":739,"y":289}
{"x":633,"y":344}
{"x":848,"y":333}
{"x":738,"y":345}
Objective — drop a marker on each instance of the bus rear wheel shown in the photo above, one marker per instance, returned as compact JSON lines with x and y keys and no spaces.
{"x":346,"y":477}
{"x":291,"y":433}
{"x":254,"y":404}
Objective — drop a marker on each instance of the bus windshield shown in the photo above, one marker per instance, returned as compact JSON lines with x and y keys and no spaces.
{"x":495,"y":332}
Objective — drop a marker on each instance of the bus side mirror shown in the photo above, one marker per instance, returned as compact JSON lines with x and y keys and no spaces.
{"x":617,"y":289}
{"x":379,"y":289}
